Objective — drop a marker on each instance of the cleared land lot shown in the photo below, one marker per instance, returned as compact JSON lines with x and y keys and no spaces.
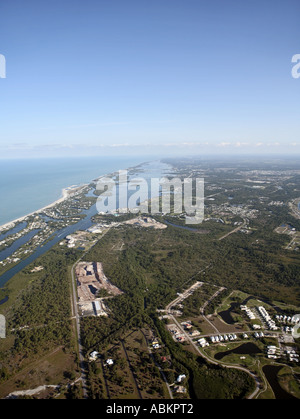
{"x":91,"y":281}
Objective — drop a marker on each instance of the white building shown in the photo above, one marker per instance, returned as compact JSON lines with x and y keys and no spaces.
{"x":94,"y":356}
{"x":202,"y":342}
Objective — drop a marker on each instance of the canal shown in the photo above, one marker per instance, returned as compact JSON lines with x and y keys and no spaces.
{"x":150,"y":170}
{"x":6,"y":253}
{"x":41,"y":250}
{"x":14,"y":230}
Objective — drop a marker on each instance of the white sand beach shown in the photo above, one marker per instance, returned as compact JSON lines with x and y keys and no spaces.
{"x":66,"y":192}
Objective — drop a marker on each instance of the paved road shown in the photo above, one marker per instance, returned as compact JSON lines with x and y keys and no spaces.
{"x":184,"y":295}
{"x":196,"y":347}
{"x":202,"y":310}
{"x":76,"y":316}
{"x":77,"y":323}
{"x":234,"y":231}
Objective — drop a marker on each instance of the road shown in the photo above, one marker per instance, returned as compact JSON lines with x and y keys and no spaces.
{"x":197,"y":349}
{"x":202,"y":310}
{"x":76,"y":316}
{"x":234,"y":231}
{"x":184,"y":295}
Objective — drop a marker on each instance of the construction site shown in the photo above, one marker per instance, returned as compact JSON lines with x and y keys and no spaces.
{"x":93,"y":288}
{"x":146,"y":222}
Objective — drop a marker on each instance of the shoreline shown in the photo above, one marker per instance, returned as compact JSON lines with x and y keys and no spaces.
{"x":65,"y":195}
{"x":66,"y":192}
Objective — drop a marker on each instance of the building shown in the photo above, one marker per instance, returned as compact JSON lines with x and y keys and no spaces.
{"x":202,"y":342}
{"x":249,"y":312}
{"x":94,"y":356}
{"x":180,"y":389}
{"x":256,"y":327}
{"x":95,"y":230}
{"x":267,"y":318}
{"x":99,"y":308}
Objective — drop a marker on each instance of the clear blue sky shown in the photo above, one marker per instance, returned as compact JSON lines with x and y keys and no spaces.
{"x":149,"y":76}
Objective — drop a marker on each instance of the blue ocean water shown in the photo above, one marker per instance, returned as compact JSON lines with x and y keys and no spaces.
{"x":30,"y":184}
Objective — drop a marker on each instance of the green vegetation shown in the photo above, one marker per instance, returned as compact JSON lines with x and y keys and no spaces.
{"x":151,"y":267}
{"x":205,"y":380}
{"x":150,"y":276}
{"x":39,"y":323}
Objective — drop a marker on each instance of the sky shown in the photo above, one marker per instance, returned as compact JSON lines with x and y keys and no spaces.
{"x":159,"y":77}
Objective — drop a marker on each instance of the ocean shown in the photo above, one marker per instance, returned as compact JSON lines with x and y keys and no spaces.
{"x":34,"y":184}
{"x":30,"y":184}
